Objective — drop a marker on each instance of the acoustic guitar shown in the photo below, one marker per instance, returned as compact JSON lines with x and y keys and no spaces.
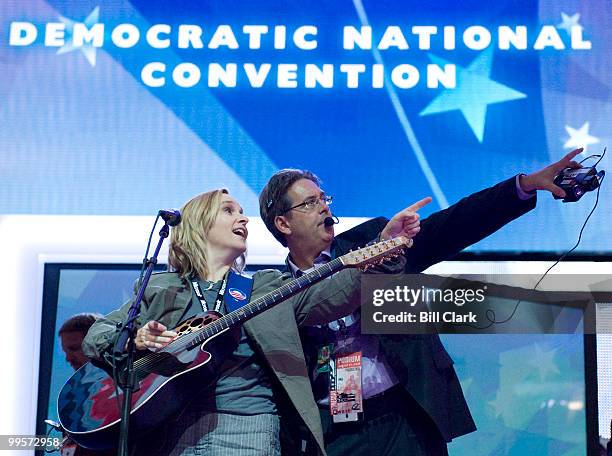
{"x":89,"y":402}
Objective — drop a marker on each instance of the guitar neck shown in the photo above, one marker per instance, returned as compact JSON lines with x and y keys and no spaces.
{"x":269,"y":300}
{"x":375,"y":253}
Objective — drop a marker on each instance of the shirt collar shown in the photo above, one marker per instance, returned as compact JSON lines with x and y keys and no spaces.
{"x":323,"y":258}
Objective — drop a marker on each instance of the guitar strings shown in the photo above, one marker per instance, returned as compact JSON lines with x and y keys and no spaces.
{"x":151,"y":360}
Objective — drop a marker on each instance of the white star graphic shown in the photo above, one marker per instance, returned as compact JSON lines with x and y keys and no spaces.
{"x":579,"y":137}
{"x":88,"y":49}
{"x":569,"y":22}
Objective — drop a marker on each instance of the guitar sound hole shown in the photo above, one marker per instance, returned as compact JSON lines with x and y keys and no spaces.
{"x":196,"y":322}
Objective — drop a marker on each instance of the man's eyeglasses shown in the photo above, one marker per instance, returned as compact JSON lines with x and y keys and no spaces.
{"x":312,"y":202}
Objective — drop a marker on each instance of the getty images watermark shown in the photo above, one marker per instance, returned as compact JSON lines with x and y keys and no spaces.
{"x":410,"y":297}
{"x":427,"y":304}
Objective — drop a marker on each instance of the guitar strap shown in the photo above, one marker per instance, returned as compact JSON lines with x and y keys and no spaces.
{"x":235,"y":291}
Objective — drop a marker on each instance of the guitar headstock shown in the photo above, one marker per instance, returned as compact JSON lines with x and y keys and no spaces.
{"x":376,"y":253}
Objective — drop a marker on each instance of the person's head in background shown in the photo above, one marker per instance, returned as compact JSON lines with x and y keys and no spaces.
{"x":72,"y":333}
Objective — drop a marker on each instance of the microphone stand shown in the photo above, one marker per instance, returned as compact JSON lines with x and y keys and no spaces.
{"x":609,"y":446}
{"x":127,"y":336}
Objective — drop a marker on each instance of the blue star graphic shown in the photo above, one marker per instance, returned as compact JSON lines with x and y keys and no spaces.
{"x":474,"y":92}
{"x":544,"y":362}
{"x":88,"y":49}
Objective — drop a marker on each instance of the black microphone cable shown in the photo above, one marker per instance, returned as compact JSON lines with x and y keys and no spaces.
{"x":490,"y":313}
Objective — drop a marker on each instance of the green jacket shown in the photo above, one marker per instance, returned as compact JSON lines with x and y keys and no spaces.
{"x":274,"y":332}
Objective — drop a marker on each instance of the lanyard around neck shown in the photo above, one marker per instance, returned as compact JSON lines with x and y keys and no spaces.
{"x":218,"y":299}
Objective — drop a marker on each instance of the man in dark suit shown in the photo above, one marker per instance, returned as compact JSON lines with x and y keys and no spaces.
{"x":413,"y":402}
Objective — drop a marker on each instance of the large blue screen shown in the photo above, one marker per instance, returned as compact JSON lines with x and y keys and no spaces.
{"x":123,"y":107}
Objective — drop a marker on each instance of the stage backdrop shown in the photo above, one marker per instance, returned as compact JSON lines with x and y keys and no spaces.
{"x":117,"y":107}
{"x":526,"y":392}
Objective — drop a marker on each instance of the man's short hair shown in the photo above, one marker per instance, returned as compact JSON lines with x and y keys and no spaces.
{"x":273,"y":199}
{"x":79,"y":323}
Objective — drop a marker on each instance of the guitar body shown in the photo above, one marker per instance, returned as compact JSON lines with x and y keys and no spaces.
{"x":89,"y":408}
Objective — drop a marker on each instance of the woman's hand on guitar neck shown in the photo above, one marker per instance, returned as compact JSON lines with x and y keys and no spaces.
{"x":153,"y":336}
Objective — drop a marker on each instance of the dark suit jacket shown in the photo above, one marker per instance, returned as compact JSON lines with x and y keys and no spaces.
{"x":421,"y":362}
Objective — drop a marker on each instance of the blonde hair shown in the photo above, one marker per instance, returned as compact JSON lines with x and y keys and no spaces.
{"x":188,"y":240}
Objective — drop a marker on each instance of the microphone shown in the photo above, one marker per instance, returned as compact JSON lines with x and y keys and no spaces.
{"x":171,"y":216}
{"x":330,"y":221}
